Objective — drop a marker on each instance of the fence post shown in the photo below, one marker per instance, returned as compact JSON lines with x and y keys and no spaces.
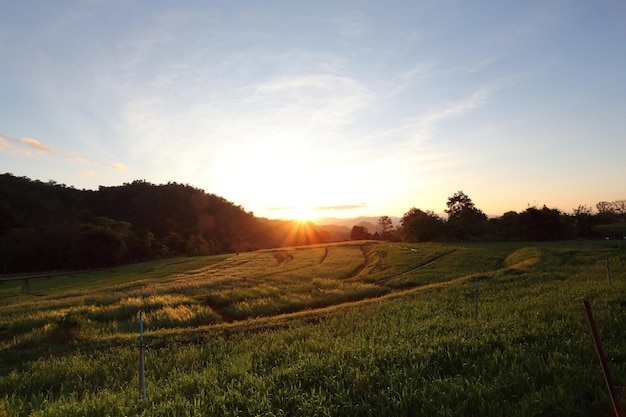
{"x":142,"y":379}
{"x":605,"y":368}
{"x":608,"y":272}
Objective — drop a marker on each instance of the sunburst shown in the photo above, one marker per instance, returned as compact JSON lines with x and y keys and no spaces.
{"x":301,"y":213}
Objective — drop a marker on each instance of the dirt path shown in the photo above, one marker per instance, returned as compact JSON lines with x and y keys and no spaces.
{"x":432,"y":261}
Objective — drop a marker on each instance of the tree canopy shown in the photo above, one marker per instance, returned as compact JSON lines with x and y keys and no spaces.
{"x":467,"y":222}
{"x":45,"y":226}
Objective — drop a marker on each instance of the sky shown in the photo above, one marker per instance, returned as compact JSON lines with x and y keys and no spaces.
{"x":327,"y":108}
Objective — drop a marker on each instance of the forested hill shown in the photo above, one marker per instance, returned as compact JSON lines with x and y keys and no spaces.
{"x":45,"y":226}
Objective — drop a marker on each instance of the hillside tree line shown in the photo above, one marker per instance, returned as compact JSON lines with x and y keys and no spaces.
{"x":466,"y":222}
{"x":49,"y":226}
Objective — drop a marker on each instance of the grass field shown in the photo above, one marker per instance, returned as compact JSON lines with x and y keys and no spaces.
{"x":351,"y":329}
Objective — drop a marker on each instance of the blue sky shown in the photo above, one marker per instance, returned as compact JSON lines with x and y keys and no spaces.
{"x":348,"y":107}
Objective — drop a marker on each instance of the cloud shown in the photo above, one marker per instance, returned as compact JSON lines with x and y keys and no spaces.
{"x":12,"y":145}
{"x":477,"y":99}
{"x":8,"y":145}
{"x":340,"y":207}
{"x":38,"y":146}
{"x":316,"y":100}
{"x":421,"y":128}
{"x":473,"y":66}
{"x":76,"y":158}
{"x":267,"y":126}
{"x":119,"y":166}
{"x":284,"y":208}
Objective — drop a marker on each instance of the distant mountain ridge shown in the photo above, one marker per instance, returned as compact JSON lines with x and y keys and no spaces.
{"x":370,"y":222}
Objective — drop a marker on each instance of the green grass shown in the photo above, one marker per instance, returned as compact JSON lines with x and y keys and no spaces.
{"x":309,"y":333}
{"x":57,"y":284}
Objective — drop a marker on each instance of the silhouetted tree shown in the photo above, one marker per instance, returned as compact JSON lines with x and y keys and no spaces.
{"x":464,"y":219}
{"x":421,"y":226}
{"x":359,"y":233}
{"x":385,"y":226}
{"x":507,"y":226}
{"x":610,"y":212}
{"x":541,"y":224}
{"x":583,"y":222}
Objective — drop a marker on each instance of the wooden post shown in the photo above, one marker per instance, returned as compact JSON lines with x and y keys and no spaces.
{"x":605,"y":368}
{"x":608,"y":272}
{"x":142,"y":381}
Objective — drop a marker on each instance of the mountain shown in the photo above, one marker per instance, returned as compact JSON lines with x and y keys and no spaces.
{"x":369,"y":222}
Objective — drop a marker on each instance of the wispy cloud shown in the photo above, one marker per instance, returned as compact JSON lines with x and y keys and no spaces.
{"x":420,"y":128}
{"x":339,"y":207}
{"x":455,"y":108}
{"x":473,"y":66}
{"x":12,"y":145}
{"x":119,"y":167}
{"x":413,"y":156}
{"x":38,"y":146}
{"x":21,"y":146}
{"x":410,"y":78}
{"x":266,"y":126}
{"x":319,"y":99}
{"x":76,"y":158}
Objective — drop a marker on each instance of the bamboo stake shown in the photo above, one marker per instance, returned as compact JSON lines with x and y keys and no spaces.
{"x":605,"y":368}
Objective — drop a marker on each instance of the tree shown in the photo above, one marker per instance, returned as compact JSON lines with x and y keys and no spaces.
{"x":507,"y":226}
{"x":421,"y":226}
{"x":100,"y":246}
{"x":359,"y":233}
{"x":606,"y":213}
{"x":196,"y":245}
{"x":541,"y":224}
{"x":583,"y":221}
{"x":610,"y":212}
{"x":464,"y":219}
{"x":385,"y":226}
{"x":620,"y":209}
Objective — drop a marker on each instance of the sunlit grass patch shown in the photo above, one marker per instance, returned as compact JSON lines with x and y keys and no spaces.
{"x":523,"y":257}
{"x":181,"y":316}
{"x":316,"y":294}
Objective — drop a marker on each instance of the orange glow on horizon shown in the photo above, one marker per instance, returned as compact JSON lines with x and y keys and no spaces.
{"x":301,"y":232}
{"x":300,"y":213}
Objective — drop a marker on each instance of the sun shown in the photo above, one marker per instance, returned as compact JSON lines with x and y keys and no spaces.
{"x":301,"y":213}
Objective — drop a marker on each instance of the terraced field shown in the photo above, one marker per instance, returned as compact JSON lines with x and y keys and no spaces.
{"x":350,"y":329}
